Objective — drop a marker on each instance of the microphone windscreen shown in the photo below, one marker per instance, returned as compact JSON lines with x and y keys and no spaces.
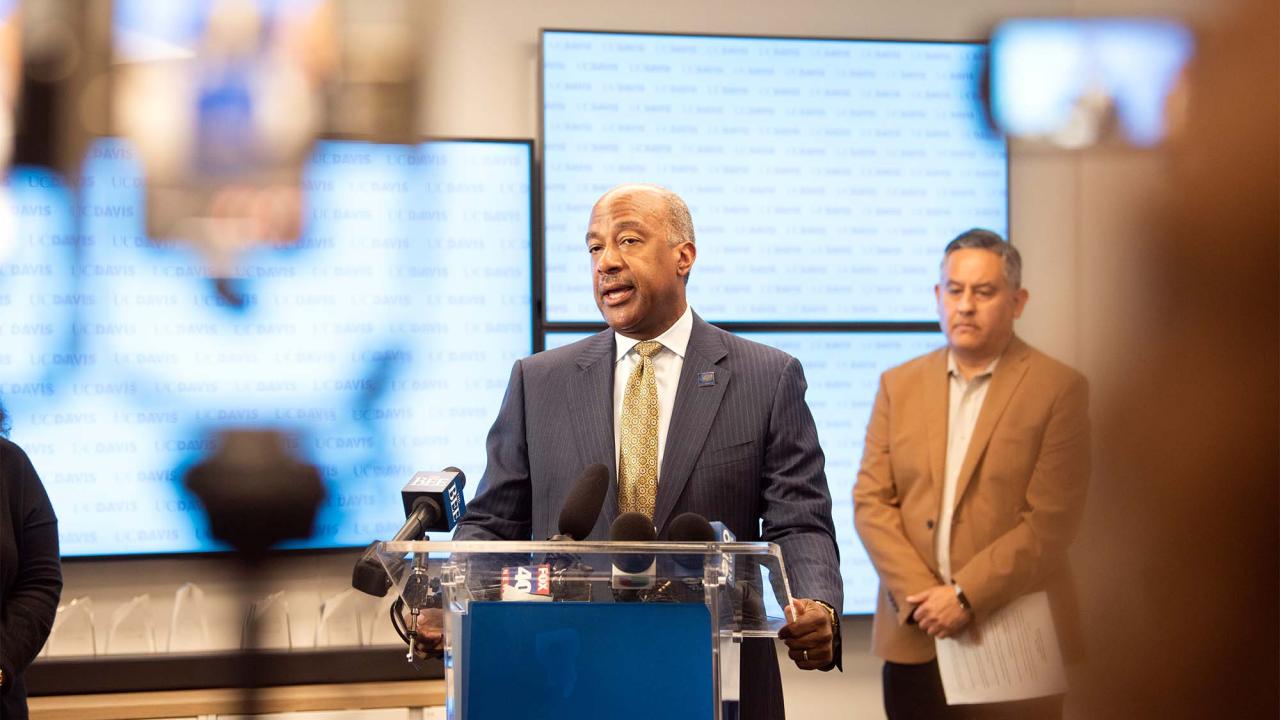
{"x":582,"y":508}
{"x":632,"y":527}
{"x":462,"y":477}
{"x":691,"y":527}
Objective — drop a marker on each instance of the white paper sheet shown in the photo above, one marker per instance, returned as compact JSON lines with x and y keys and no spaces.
{"x":1015,"y":656}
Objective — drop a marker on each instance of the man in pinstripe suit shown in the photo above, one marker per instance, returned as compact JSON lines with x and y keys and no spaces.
{"x":735,"y":440}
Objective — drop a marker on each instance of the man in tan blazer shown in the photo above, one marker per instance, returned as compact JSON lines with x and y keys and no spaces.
{"x":972,"y":482}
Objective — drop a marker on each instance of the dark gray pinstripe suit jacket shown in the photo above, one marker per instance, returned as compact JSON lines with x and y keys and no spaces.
{"x":743,"y":451}
{"x":740,"y":451}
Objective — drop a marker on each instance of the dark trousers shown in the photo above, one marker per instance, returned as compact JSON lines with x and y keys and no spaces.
{"x":914,"y":692}
{"x":761,"y":681}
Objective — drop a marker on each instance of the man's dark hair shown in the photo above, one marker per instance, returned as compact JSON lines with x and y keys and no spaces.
{"x":983,"y":239}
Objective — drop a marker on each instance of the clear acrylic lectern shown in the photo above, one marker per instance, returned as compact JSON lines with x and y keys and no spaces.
{"x":592,"y":629}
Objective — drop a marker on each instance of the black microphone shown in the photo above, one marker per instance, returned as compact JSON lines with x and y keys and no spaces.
{"x":632,"y":572}
{"x":691,"y":527}
{"x":582,"y":507}
{"x":682,"y":574}
{"x":432,"y":501}
{"x":568,"y":575}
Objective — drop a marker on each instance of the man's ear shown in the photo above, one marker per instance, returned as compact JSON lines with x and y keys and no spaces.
{"x":687,"y":253}
{"x":1020,"y":301}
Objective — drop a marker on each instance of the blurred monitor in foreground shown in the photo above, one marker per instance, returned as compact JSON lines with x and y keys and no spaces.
{"x":381,"y":340}
{"x":1077,"y":82}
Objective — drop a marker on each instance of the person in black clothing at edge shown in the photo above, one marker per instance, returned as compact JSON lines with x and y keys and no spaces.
{"x":30,"y":571}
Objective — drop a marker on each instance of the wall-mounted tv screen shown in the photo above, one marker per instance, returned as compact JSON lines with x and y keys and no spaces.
{"x":843,"y":371}
{"x":824,"y":176}
{"x":381,"y":339}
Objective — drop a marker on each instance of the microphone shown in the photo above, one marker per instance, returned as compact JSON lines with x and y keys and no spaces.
{"x":684,"y":573}
{"x":568,"y":576}
{"x":632,"y":572}
{"x":582,"y":507}
{"x":691,"y":527}
{"x":432,"y":501}
{"x":724,"y":535}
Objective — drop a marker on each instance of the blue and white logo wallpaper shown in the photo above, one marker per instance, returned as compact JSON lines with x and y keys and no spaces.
{"x":824,"y":176}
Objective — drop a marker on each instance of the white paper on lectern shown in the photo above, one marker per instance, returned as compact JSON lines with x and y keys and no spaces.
{"x":1015,"y":656}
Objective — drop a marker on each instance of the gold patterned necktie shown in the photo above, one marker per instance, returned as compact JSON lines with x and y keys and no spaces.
{"x":638,"y":438}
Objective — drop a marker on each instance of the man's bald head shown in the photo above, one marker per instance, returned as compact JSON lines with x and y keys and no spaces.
{"x":678,"y":220}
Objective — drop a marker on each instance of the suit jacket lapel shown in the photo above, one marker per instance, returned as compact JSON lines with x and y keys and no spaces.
{"x":1004,"y":381}
{"x":691,"y":418}
{"x":590,"y":391}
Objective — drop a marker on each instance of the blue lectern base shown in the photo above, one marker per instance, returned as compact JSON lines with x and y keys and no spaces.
{"x":578,"y":660}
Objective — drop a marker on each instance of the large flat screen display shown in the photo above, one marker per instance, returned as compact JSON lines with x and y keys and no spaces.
{"x":381,"y":339}
{"x":843,"y":372}
{"x":824,"y":176}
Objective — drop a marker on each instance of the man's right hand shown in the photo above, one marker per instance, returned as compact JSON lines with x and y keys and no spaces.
{"x":428,"y":636}
{"x":939,"y":612}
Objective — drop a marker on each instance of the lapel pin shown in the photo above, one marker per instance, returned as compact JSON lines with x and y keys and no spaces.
{"x":706,"y":379}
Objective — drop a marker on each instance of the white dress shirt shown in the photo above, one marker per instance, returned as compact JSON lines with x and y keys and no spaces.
{"x":667,"y":364}
{"x":965,"y":400}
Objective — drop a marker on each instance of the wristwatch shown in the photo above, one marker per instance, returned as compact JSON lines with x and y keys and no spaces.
{"x":835,"y":619}
{"x":962,"y":598}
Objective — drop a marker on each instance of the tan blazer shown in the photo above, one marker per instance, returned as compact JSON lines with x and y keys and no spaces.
{"x":1019,"y":496}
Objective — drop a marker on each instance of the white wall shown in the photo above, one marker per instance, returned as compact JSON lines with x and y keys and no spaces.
{"x":480,"y":80}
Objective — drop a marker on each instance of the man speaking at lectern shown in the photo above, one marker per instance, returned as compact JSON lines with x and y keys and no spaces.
{"x":693,"y":419}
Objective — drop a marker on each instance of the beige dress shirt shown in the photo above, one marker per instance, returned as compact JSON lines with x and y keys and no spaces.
{"x":965,"y":402}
